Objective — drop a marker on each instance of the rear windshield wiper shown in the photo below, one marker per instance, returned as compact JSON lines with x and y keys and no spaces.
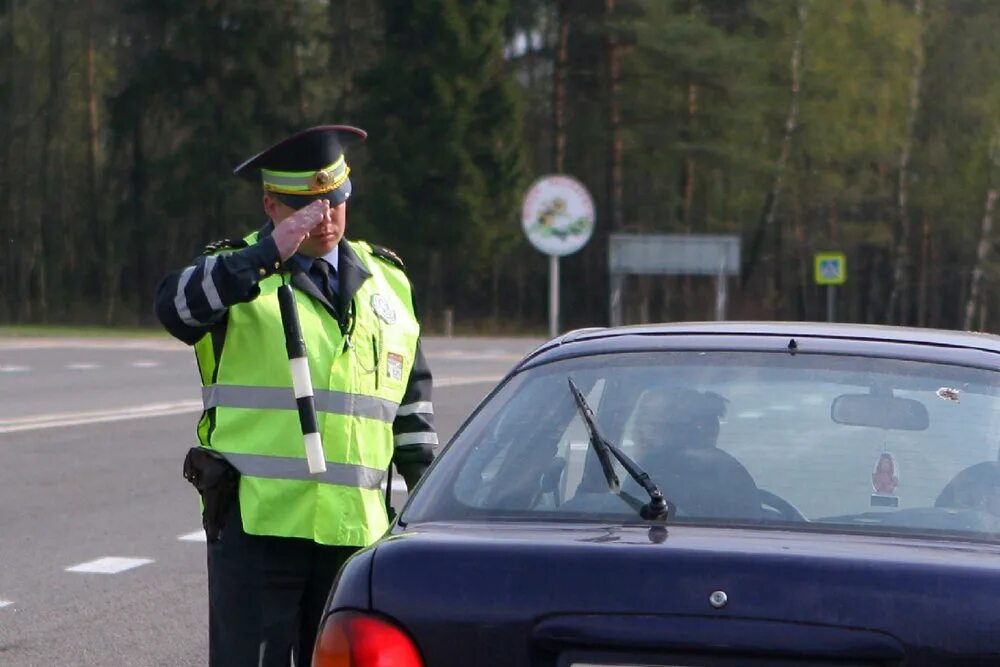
{"x":657,"y":507}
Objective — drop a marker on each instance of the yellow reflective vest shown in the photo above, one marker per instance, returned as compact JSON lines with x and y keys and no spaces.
{"x":359,"y":377}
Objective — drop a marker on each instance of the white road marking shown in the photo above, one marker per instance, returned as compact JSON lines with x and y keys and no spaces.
{"x":60,"y":419}
{"x":54,"y":420}
{"x":750,"y":414}
{"x":167,"y":344}
{"x":155,"y":345}
{"x":82,"y":366}
{"x":109,"y":565}
{"x":459,"y":381}
{"x":5,"y":603}
{"x":486,"y":355}
{"x":14,"y":369}
{"x":196,"y":536}
{"x":145,"y":364}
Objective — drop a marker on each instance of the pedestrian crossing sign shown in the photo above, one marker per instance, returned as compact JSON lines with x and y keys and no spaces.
{"x":830,"y":268}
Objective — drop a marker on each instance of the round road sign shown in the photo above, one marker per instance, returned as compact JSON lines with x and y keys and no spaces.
{"x":558,"y":215}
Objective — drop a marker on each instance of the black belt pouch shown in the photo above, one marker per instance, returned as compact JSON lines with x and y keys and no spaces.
{"x":218,"y":483}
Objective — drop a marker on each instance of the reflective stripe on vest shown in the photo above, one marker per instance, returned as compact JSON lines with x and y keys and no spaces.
{"x":283,"y":398}
{"x":282,"y":467}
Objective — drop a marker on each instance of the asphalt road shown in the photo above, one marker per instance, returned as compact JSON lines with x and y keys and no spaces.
{"x":102,"y":560}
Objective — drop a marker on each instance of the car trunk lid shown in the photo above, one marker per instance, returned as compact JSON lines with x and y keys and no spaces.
{"x":545,"y":595}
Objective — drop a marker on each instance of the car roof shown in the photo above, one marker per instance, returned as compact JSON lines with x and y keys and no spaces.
{"x":842,"y":337}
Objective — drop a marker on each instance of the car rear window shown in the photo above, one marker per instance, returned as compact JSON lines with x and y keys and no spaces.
{"x":807,"y":441}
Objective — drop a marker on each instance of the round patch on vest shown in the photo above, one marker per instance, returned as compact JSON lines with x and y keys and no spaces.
{"x":383,"y":308}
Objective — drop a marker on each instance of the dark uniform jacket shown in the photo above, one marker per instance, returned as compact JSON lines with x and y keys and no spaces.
{"x":214,"y":282}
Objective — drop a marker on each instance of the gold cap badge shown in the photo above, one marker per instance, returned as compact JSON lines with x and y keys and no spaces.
{"x":321,"y":179}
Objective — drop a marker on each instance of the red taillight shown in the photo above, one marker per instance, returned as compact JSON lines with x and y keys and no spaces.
{"x":353,"y":639}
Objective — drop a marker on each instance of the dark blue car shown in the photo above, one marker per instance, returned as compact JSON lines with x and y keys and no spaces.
{"x":702,"y":495}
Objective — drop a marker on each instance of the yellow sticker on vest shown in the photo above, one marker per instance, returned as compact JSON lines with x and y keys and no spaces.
{"x":394,"y":366}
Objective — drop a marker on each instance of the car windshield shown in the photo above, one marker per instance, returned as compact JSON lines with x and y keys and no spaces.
{"x":801,"y":441}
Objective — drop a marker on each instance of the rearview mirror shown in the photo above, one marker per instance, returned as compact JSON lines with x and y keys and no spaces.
{"x":880,"y":411}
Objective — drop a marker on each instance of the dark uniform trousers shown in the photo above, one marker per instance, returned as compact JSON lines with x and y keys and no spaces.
{"x":266,"y":596}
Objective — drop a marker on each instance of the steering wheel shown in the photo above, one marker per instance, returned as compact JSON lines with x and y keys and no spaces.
{"x":782,"y":506}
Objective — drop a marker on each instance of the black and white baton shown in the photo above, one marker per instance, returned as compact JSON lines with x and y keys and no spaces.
{"x":301,"y":380}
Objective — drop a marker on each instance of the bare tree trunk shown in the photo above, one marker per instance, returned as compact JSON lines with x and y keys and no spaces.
{"x":91,"y":93}
{"x":689,"y":172}
{"x":559,"y":89}
{"x":667,"y":298}
{"x":692,"y":109}
{"x":985,"y":234}
{"x":900,"y":277}
{"x":935,"y":305}
{"x":531,"y":57}
{"x":615,"y":177}
{"x":25,"y":258}
{"x":521,"y":290}
{"x":7,"y":232}
{"x":436,"y":284}
{"x":138,"y":182}
{"x":496,"y":272}
{"x":614,"y":123}
{"x":94,"y":213}
{"x":21,"y":156}
{"x":925,"y":250}
{"x":791,"y":123}
{"x":804,"y":263}
{"x":47,"y":211}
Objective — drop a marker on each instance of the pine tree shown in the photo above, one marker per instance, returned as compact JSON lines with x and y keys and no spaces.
{"x":211,"y":85}
{"x":445,"y":152}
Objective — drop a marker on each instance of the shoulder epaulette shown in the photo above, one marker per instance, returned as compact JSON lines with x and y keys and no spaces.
{"x":388,"y":255}
{"x":224,"y":244}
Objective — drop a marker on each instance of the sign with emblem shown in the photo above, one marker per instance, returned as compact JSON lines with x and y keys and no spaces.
{"x":384,"y":309}
{"x":558,"y":218}
{"x":558,"y":215}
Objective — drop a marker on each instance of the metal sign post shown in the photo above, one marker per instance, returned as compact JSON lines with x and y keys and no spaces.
{"x":721,"y":292}
{"x":553,"y":296}
{"x":558,"y":218}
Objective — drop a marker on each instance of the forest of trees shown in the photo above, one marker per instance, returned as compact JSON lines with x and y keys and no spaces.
{"x":870,"y":127}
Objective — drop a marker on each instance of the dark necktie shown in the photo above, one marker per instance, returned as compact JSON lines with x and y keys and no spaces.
{"x":325,"y":273}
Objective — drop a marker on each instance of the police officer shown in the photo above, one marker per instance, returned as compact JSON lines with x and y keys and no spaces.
{"x":287,"y":533}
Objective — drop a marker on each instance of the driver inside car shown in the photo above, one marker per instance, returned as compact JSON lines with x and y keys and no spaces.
{"x":676,"y":430}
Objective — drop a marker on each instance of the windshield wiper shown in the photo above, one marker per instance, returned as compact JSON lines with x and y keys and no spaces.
{"x":657,"y":507}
